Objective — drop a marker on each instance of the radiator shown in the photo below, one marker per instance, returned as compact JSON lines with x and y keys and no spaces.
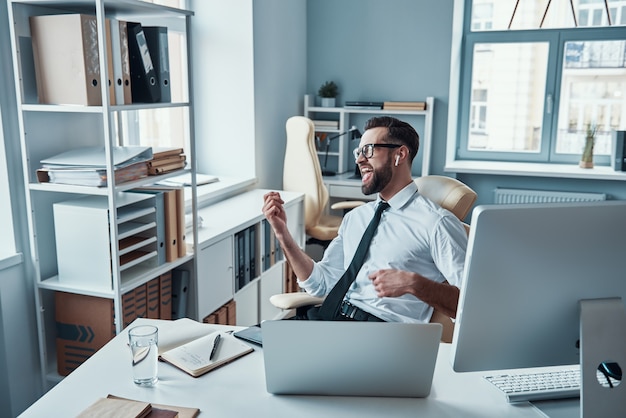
{"x":514,"y":196}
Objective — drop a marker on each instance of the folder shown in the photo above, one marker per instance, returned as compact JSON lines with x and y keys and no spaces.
{"x":253,"y":253}
{"x":144,"y":86}
{"x":121,"y":61}
{"x":241,"y":260}
{"x":110,"y":79}
{"x":247,"y":276}
{"x":175,"y":228}
{"x":156,"y":37}
{"x":161,"y":220}
{"x":267,"y":235}
{"x":95,"y":157}
{"x":67,"y":65}
{"x":154,"y":170}
{"x":180,"y":291}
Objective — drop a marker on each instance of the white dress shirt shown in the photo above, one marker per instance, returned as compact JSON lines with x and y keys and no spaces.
{"x":414,"y":234}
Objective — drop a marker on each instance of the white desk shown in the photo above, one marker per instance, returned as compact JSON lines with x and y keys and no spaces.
{"x":345,"y":187}
{"x":238,"y":390}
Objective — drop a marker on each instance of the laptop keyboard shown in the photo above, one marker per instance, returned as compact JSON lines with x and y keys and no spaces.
{"x":534,"y":386}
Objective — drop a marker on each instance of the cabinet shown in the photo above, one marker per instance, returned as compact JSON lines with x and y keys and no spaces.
{"x":120,"y":255}
{"x":340,"y":156}
{"x":218,"y":256}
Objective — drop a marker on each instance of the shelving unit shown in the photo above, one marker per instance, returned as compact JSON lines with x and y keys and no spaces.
{"x":217,"y":282}
{"x":47,"y":130}
{"x":341,"y":154}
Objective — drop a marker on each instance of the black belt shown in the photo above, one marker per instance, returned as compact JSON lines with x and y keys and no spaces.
{"x":354,"y":313}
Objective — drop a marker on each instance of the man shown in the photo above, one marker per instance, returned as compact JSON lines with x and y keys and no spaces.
{"x":416,"y":257}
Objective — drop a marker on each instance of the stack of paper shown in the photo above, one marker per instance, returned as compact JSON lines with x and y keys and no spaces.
{"x":87,"y":166}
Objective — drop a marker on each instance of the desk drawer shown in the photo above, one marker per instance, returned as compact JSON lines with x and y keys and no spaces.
{"x":350,"y":192}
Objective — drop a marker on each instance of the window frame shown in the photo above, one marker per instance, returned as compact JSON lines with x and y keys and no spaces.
{"x":556,"y":40}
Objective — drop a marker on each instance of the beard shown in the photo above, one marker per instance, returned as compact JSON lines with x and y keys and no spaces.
{"x":380,"y":179}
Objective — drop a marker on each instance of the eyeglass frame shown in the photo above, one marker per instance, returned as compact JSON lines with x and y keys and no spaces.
{"x":357,"y":152}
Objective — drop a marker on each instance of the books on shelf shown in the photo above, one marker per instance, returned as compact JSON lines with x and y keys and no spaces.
{"x":326,"y":124}
{"x":189,"y":347}
{"x":87,"y":166}
{"x":91,"y":176}
{"x":166,"y":160}
{"x":404,"y":105}
{"x":358,"y":104}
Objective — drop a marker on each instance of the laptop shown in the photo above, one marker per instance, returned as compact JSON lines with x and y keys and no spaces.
{"x":349,"y":358}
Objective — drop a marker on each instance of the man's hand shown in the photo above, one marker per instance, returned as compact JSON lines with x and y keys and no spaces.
{"x":274,"y":211}
{"x":394,"y":283}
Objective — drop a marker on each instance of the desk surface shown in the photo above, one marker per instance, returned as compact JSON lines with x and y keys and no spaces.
{"x":238,"y":390}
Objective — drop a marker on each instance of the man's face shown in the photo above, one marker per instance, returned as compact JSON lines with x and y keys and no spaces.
{"x":376,"y":171}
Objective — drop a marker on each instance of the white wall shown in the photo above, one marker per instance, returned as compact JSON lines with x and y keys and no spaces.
{"x":223,"y":86}
{"x":249,"y":75}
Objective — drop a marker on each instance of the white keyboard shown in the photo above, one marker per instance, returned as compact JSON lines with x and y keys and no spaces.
{"x":533,"y":386}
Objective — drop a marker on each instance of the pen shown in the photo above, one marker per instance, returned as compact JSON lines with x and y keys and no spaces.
{"x":216,"y":343}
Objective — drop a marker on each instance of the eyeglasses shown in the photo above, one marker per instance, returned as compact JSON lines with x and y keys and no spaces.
{"x":367,"y":150}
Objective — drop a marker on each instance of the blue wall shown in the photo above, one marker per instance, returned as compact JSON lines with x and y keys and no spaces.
{"x":384,"y":50}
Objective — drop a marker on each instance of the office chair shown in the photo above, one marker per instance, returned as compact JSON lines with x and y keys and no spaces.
{"x":302,"y":173}
{"x":449,"y":193}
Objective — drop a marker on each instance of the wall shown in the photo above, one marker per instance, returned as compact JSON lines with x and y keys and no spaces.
{"x":384,"y":50}
{"x":279,"y":81}
{"x":249,"y":75}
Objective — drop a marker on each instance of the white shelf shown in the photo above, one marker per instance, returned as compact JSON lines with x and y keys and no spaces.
{"x":48,"y":129}
{"x":344,"y":155}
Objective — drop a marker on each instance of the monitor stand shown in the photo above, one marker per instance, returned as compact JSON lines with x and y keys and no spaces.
{"x":602,"y":339}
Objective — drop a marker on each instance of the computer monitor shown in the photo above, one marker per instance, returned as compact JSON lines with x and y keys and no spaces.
{"x":527,"y":269}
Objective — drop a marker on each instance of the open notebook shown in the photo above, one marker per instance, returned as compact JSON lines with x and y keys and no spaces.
{"x":350,"y":358}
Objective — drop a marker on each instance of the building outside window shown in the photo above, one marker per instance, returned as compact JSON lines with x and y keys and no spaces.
{"x":536,"y":74}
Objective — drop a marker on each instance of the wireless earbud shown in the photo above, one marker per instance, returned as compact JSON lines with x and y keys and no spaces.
{"x":397,"y":159}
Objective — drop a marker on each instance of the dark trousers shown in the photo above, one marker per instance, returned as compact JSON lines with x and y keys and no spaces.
{"x":311,"y":313}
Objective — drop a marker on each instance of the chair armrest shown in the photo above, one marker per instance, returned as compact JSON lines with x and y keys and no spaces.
{"x":294,"y":300}
{"x":347,"y":205}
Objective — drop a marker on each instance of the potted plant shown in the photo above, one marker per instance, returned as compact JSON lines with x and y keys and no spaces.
{"x":328,"y":93}
{"x":586,"y":161}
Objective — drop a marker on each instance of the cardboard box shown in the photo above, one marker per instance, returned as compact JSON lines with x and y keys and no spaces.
{"x":165,"y":295}
{"x":84,"y":324}
{"x":225,"y":315}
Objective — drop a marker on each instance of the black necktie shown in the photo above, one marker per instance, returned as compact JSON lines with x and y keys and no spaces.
{"x":330,"y":308}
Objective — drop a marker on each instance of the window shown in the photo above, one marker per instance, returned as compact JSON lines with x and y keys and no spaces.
{"x":168,"y":126}
{"x":537,"y":74}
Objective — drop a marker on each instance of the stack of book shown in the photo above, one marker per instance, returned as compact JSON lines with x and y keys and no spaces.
{"x":166,"y":160}
{"x":326,"y":124}
{"x":404,"y":105}
{"x":114,"y":406}
{"x":87,"y":166}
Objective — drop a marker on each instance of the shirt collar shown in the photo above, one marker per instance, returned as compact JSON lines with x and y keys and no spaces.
{"x":402,"y":197}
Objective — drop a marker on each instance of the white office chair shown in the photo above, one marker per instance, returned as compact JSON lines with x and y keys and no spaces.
{"x":450,"y":194}
{"x":302,"y":173}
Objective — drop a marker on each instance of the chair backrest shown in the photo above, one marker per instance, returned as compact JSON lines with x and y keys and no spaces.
{"x":302,"y":171}
{"x":447,"y":192}
{"x":458,"y":198}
